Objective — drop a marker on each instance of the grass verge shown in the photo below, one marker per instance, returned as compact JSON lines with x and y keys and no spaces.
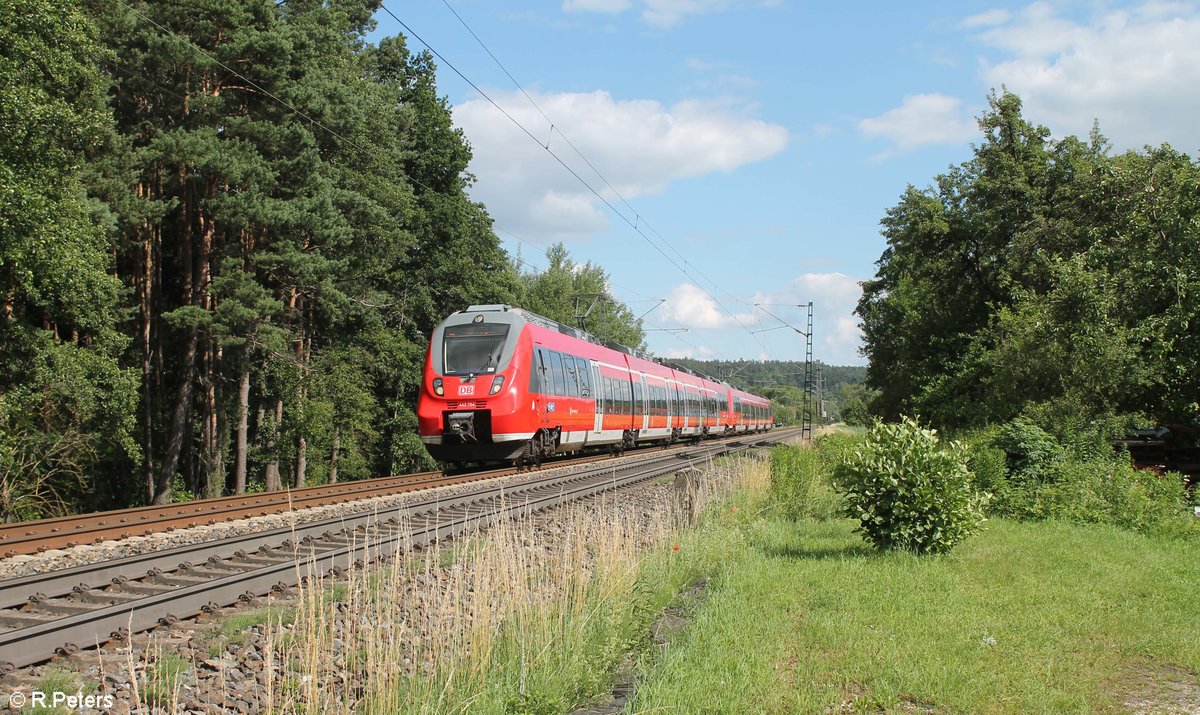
{"x":1043,"y":617}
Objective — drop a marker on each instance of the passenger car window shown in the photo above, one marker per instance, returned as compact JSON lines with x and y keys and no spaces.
{"x":585,"y":377}
{"x":572,"y":380}
{"x":556,"y":373}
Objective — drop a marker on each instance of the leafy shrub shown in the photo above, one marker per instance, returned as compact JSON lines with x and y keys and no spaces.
{"x":908,"y":491}
{"x":800,"y":483}
{"x":1033,"y":475}
{"x":1107,"y":492}
{"x":989,"y":464}
{"x":1030,"y":451}
{"x":1031,"y":457}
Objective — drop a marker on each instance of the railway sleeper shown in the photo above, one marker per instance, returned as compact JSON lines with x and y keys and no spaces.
{"x":225,"y":568}
{"x":259,"y":561}
{"x":175,"y":579}
{"x":107,"y":598}
{"x":210,"y":571}
{"x":339,"y":542}
{"x":24,"y":619}
{"x":140,"y":588}
{"x":59,"y":607}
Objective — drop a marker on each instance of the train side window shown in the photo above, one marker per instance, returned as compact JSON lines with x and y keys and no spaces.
{"x":570,"y":376}
{"x":570,"y":388}
{"x":556,"y":374}
{"x":637,"y":397}
{"x":583,"y":370}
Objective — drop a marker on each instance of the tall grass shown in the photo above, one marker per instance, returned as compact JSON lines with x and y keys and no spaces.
{"x":533,"y":619}
{"x":800,"y":486}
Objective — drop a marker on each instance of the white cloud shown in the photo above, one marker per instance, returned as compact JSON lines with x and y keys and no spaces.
{"x":987,"y":19}
{"x":664,"y":13}
{"x":606,"y":6}
{"x":689,"y":306}
{"x":921,"y":120}
{"x":836,"y":332}
{"x":640,"y":146}
{"x":1136,"y":70}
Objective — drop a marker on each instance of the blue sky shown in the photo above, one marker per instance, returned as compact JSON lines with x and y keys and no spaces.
{"x":757,"y":143}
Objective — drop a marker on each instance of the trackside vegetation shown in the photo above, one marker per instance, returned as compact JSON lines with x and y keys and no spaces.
{"x":534,"y":620}
{"x":228,"y":229}
{"x":908,"y":490}
{"x":778,"y":608}
{"x":1046,"y":279}
{"x":1039,"y":615}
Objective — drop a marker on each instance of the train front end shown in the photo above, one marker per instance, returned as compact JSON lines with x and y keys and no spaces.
{"x":475,"y":385}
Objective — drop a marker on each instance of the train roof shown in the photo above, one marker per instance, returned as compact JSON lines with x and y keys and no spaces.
{"x":549,"y":324}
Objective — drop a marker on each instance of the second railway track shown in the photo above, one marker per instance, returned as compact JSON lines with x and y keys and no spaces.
{"x":42,"y":615}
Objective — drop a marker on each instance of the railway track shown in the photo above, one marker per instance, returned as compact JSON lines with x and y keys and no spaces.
{"x":33,"y":537}
{"x":59,"y":613}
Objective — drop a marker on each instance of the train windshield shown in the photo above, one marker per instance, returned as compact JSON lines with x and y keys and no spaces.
{"x":473,"y":348}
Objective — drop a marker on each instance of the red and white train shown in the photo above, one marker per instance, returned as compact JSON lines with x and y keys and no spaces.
{"x":502,"y":383}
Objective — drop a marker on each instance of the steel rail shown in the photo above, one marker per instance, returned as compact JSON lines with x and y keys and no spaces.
{"x":93,"y":618}
{"x":36,"y":536}
{"x":31,"y":537}
{"x":19,"y":591}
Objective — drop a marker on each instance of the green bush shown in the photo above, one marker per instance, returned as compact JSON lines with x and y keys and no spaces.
{"x":1106,"y":492}
{"x":1031,"y":452}
{"x":908,"y":491}
{"x":987,"y":462}
{"x":1032,"y":475}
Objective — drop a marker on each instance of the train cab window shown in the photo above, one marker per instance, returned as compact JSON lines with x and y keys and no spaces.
{"x":537,"y":373}
{"x":583,"y":371}
{"x":473,"y":349}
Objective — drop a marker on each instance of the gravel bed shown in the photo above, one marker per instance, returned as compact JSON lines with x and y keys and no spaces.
{"x":235,"y":675}
{"x":56,"y":559}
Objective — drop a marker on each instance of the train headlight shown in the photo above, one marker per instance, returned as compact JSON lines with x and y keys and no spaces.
{"x":437,"y":387}
{"x":497,"y":384}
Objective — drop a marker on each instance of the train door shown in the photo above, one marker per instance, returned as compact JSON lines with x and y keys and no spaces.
{"x":641,"y":398}
{"x":541,"y":365}
{"x":598,"y":394}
